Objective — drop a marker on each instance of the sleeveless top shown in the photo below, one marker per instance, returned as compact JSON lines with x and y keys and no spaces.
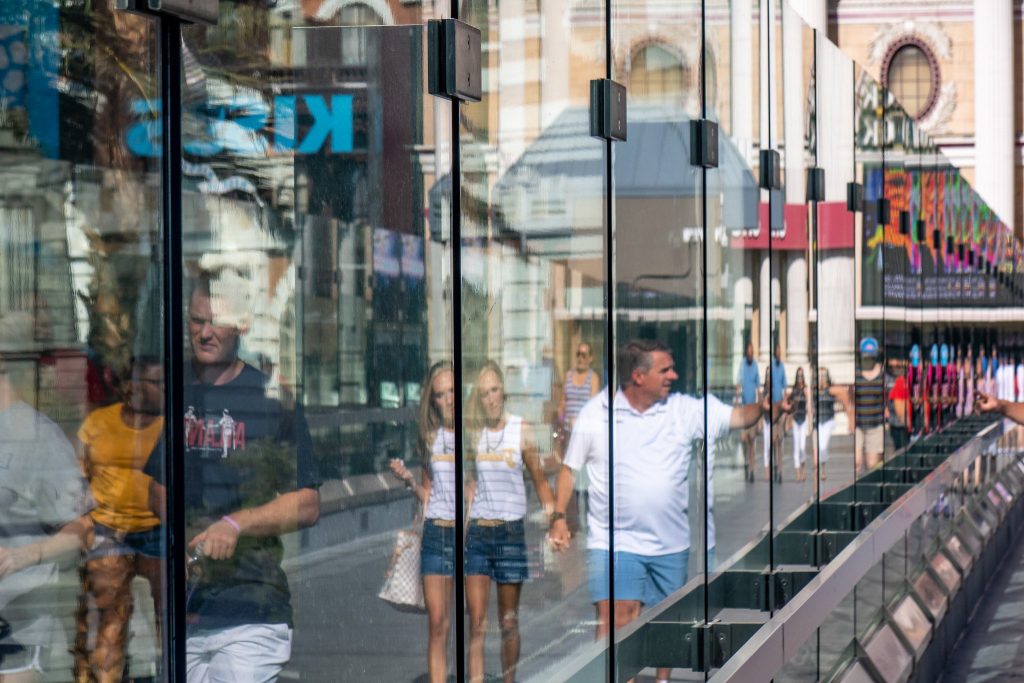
{"x":826,"y":406}
{"x":869,"y":400}
{"x":500,"y":489}
{"x":968,"y":390}
{"x":441,"y":503}
{"x":799,"y":401}
{"x":576,"y":396}
{"x":961,"y":392}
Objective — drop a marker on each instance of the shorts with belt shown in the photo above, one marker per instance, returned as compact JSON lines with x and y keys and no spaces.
{"x":437,"y":551}
{"x":497,"y":549}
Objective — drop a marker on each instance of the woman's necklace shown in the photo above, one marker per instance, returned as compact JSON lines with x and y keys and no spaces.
{"x":487,"y":440}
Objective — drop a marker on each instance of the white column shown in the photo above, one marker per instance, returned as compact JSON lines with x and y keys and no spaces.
{"x":743,"y":296}
{"x":555,"y":56}
{"x":836,"y":324}
{"x":796,"y":309}
{"x":813,"y":12}
{"x":741,"y":77}
{"x":766,"y":85}
{"x":764,"y":319}
{"x":835,"y":112}
{"x":993,"y":105}
{"x":514,"y":112}
{"x":769,"y":293}
{"x":793,"y":103}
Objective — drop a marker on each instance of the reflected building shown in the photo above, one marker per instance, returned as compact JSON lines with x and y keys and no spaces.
{"x":317,"y":167}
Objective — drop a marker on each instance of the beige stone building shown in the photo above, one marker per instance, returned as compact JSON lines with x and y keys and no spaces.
{"x":956,"y":67}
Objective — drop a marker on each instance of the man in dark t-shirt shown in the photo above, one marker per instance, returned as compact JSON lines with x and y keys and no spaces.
{"x":249,"y":477}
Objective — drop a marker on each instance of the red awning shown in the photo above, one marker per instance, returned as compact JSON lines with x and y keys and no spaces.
{"x":835,"y":229}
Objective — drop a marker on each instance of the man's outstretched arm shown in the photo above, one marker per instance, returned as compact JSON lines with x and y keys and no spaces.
{"x":287,"y":512}
{"x":987,"y":403}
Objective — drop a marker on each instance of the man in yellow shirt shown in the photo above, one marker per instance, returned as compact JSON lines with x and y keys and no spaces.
{"x":115,"y":443}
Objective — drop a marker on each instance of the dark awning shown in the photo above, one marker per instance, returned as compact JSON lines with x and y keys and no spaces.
{"x":551,"y":190}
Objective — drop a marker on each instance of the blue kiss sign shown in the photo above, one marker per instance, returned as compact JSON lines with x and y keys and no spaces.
{"x":237,"y":127}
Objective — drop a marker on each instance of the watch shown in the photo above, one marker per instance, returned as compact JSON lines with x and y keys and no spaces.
{"x":555,"y":516}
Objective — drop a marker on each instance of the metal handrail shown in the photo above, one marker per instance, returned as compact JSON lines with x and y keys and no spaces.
{"x":781,"y":638}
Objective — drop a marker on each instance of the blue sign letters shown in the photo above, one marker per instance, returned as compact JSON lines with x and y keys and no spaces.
{"x":238,"y":127}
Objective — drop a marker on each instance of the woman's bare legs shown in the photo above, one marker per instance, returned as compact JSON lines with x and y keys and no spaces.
{"x":508,"y":611}
{"x":437,"y":594}
{"x":478,"y":592}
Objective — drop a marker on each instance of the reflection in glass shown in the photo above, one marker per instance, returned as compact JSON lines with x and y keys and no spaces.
{"x":44,"y":503}
{"x":250,"y":476}
{"x":116,"y":442}
{"x":79,"y":300}
{"x":502,"y":449}
{"x":436,"y":494}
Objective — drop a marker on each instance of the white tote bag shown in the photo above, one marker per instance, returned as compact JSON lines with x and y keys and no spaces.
{"x":403,"y":585}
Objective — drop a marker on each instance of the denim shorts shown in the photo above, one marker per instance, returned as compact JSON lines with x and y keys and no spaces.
{"x":110,"y":542}
{"x":646,"y":578}
{"x":497,"y":551}
{"x":437,"y":553}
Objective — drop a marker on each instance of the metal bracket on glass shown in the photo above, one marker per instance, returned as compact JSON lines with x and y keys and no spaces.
{"x":854,"y":197}
{"x":608,"y":109}
{"x":905,"y":222}
{"x":815,"y":184}
{"x":703,"y":143}
{"x":770,"y":170}
{"x":882,"y":212}
{"x":453,"y":60}
{"x":191,"y":11}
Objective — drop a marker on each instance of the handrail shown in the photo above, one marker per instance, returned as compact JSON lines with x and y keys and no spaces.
{"x":775,"y":643}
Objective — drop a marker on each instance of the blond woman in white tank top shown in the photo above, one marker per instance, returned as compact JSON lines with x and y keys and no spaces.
{"x":502,"y":448}
{"x":436,"y":492}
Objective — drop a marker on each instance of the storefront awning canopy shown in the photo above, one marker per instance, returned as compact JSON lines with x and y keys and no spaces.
{"x":556,"y":188}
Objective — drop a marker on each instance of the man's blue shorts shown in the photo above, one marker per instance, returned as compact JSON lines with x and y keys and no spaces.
{"x":647,"y":578}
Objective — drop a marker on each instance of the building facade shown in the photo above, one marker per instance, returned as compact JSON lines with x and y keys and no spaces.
{"x":352,"y":230}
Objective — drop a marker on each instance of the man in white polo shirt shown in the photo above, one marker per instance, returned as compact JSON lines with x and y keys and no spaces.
{"x":654,"y":433}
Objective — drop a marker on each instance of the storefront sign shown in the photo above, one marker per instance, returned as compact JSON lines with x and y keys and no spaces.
{"x":239,"y":127}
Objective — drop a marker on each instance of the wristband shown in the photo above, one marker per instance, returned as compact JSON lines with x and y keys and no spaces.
{"x":229,"y":520}
{"x":555,"y":516}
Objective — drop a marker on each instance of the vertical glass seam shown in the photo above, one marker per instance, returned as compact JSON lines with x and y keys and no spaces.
{"x":459,"y":584}
{"x":174,"y":436}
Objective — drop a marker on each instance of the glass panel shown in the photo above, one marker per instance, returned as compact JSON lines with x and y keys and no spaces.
{"x":533,"y":338}
{"x":867,"y":380}
{"x":660,"y":414}
{"x":81,"y":357}
{"x":796,"y":333}
{"x":736,"y":248}
{"x":318,"y":399}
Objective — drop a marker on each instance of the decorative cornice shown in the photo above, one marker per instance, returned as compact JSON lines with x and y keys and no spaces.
{"x":928,"y":32}
{"x":937,"y":118}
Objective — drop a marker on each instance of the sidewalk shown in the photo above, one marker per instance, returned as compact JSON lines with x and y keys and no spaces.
{"x":992,"y":647}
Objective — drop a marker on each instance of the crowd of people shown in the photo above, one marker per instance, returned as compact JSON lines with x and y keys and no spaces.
{"x":906,"y":398}
{"x":249,"y":478}
{"x":654,"y":426}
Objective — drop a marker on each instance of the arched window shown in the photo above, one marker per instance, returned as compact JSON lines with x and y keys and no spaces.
{"x":353,"y":52}
{"x":347,"y":47}
{"x":911,"y":74}
{"x":656,"y":74}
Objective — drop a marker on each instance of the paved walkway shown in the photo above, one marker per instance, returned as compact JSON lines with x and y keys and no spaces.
{"x":992,"y":647}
